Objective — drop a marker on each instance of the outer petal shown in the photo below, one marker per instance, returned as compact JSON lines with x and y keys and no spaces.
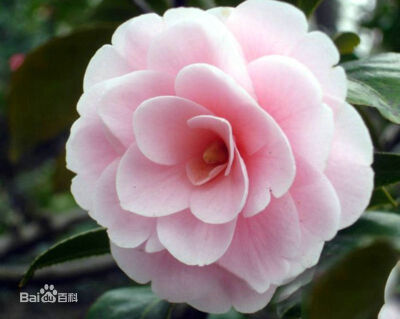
{"x":207,"y":288}
{"x":263,"y":243}
{"x":120,"y":98}
{"x":223,"y":198}
{"x":292,"y":95}
{"x":133,"y":38}
{"x":197,"y":37}
{"x":317,"y":51}
{"x":348,"y":166}
{"x":389,"y":311}
{"x":153,"y":244}
{"x":266,"y":27}
{"x":193,"y":242}
{"x":162,"y":132}
{"x":316,"y":201}
{"x":88,"y":149}
{"x":124,"y":228}
{"x":149,"y":189}
{"x":107,"y":63}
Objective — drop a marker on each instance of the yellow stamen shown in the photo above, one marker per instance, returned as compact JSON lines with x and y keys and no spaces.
{"x":216,"y":153}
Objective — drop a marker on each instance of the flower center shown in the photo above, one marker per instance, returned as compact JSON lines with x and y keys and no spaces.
{"x":216,"y":153}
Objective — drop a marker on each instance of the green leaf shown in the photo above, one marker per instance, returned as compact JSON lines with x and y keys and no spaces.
{"x":308,"y":6}
{"x":376,"y":225}
{"x":232,"y":314}
{"x":346,"y":42}
{"x":129,"y":303}
{"x":45,"y":89}
{"x":387,"y":168}
{"x":375,"y":82}
{"x":89,"y":243}
{"x":353,"y":288}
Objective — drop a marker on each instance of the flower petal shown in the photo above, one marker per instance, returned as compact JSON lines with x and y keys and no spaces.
{"x":107,"y":63}
{"x":348,"y":166}
{"x":290,"y":93}
{"x":262,"y":244}
{"x":125,"y":229}
{"x":316,"y":201}
{"x":149,"y":189}
{"x":252,"y":127}
{"x":219,"y":126}
{"x":88,"y":149}
{"x":123,"y":95}
{"x":162,"y":132}
{"x":193,"y":242}
{"x":266,"y":27}
{"x":208,"y":288}
{"x":318,"y":52}
{"x":198,"y":38}
{"x":222,"y":199}
{"x":133,"y":38}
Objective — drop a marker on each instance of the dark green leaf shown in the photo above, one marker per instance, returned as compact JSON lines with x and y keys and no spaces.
{"x":346,"y":42}
{"x":308,"y":6}
{"x":353,"y":288}
{"x":375,"y":224}
{"x":90,"y":243}
{"x":387,"y":168}
{"x":45,"y":89}
{"x":114,"y":11}
{"x":375,"y":82}
{"x":129,"y":303}
{"x":229,"y":315}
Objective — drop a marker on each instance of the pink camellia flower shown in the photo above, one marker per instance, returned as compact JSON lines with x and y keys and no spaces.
{"x":218,"y":150}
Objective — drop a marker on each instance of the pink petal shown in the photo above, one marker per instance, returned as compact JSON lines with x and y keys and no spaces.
{"x":222,"y":13}
{"x":153,"y":244}
{"x":123,"y":95}
{"x":317,"y":51}
{"x":266,"y":27}
{"x":262,"y":244}
{"x":269,"y":172}
{"x":290,"y":93}
{"x":199,"y":172}
{"x":207,"y":288}
{"x":348,"y":166}
{"x":81,"y":187}
{"x":221,"y":200}
{"x":193,"y":242}
{"x":316,"y":201}
{"x":252,"y":127}
{"x":162,"y":132}
{"x":88,"y":149}
{"x":107,"y":63}
{"x":219,"y":126}
{"x":133,"y":38}
{"x":125,"y":229}
{"x":199,"y":39}
{"x":149,"y":189}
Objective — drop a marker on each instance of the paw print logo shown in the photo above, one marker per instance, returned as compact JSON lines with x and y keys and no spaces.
{"x":48,"y":293}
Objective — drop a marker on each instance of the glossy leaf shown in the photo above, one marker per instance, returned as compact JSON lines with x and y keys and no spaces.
{"x":375,"y":82}
{"x":45,"y":89}
{"x":387,"y":168}
{"x":89,"y":243}
{"x":232,"y":314}
{"x":346,"y":42}
{"x":353,"y":288}
{"x":129,"y":302}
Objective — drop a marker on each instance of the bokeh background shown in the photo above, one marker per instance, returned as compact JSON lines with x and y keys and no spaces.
{"x":45,"y":46}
